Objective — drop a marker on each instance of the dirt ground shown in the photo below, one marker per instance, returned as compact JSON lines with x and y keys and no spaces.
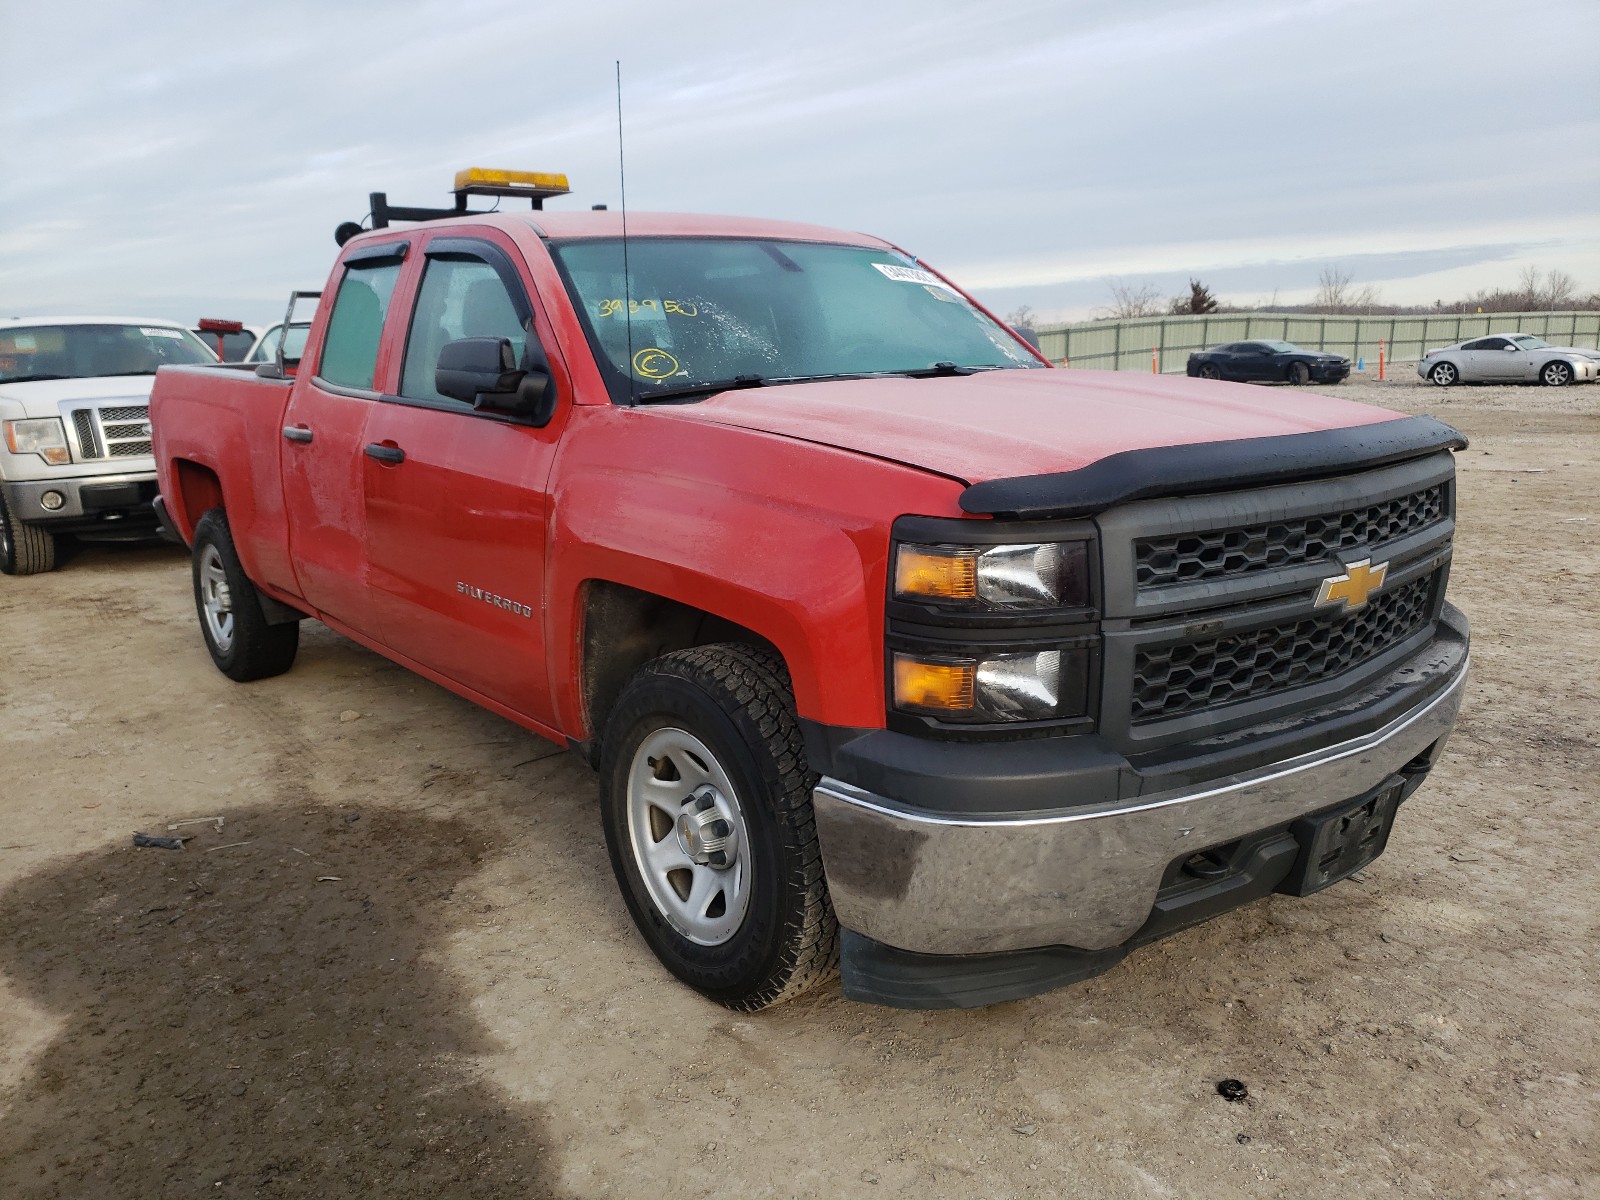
{"x":399,"y":966}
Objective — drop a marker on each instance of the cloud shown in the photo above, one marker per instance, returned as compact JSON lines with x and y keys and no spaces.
{"x":162,"y":161}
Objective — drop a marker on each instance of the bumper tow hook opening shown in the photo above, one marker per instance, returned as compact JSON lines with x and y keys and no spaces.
{"x":1208,"y":864}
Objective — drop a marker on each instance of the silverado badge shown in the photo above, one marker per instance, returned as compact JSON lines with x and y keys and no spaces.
{"x":1354,"y":587}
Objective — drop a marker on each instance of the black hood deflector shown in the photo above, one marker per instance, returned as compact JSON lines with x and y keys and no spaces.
{"x":1210,"y":467}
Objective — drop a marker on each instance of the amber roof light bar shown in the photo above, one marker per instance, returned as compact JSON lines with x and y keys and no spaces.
{"x":533,"y":186}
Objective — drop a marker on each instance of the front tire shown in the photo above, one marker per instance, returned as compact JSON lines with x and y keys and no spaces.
{"x":1556,"y":374}
{"x":241,"y":642}
{"x":24,"y":549}
{"x":1210,"y":371}
{"x":1299,"y":374}
{"x":1445,"y":374}
{"x":705,"y":797}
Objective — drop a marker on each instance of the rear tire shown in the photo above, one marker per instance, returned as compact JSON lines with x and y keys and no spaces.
{"x":24,"y":549}
{"x":1556,"y":374}
{"x":241,"y":642}
{"x":1299,"y":374}
{"x":705,"y":796}
{"x":1445,"y":374}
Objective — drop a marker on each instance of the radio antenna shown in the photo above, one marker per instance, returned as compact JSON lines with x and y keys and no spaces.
{"x":627,"y":278}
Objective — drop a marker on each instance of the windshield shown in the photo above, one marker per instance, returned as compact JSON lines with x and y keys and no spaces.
{"x":30,"y":352}
{"x":708,"y":311}
{"x":1528,"y":342}
{"x":1281,"y":347}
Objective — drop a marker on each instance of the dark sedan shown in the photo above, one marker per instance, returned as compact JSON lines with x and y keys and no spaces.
{"x":1275,"y":362}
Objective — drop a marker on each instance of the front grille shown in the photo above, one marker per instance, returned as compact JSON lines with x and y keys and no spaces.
{"x":1172,"y":680}
{"x":1229,"y":553}
{"x":122,"y":431}
{"x":88,"y":442}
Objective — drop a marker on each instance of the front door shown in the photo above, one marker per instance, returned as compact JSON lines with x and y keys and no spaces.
{"x":456,"y":498}
{"x":1497,"y":358}
{"x":323,"y":464}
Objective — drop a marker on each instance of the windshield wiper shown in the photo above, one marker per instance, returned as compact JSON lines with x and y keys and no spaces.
{"x":32,"y":378}
{"x":700,"y":389}
{"x":940,"y":369}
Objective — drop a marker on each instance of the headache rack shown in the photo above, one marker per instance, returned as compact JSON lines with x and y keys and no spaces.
{"x":533,"y":186}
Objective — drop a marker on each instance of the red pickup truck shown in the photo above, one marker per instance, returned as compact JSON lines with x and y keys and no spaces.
{"x":894,"y":647}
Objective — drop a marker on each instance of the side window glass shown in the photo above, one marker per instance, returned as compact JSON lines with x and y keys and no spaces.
{"x":459,"y":298}
{"x":350,"y":346}
{"x":1494,"y":344}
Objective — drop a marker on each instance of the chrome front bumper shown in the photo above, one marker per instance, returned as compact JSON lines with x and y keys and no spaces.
{"x":1085,"y":877}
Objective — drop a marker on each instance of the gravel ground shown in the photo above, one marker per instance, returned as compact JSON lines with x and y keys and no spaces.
{"x":398,"y":965}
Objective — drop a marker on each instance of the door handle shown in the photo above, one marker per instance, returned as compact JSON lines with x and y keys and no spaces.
{"x":297,"y":433}
{"x":385,"y":454}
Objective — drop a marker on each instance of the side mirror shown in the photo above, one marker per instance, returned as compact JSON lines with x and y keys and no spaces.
{"x":482,"y":372}
{"x":1513,"y":349}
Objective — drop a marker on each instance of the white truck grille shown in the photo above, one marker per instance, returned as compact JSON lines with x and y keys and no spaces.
{"x":112,"y":431}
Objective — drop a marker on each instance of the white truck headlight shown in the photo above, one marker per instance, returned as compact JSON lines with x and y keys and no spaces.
{"x":44,"y":436}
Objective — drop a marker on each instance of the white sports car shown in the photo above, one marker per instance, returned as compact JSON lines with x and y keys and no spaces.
{"x":1510,"y":358}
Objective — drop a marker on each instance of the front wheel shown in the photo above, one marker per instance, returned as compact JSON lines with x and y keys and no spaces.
{"x":1210,"y":371}
{"x":1445,"y":374}
{"x":706,"y":801}
{"x":1299,"y":373}
{"x":24,"y":549}
{"x":241,"y":642}
{"x":1556,"y":374}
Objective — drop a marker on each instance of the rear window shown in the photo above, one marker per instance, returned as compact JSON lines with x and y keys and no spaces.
{"x":94,"y":351}
{"x":350,"y":346}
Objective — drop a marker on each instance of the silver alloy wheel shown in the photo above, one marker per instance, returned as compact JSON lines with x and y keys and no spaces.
{"x":689,"y":837}
{"x":1444,"y":374}
{"x":216,"y":599}
{"x":1557,"y":374}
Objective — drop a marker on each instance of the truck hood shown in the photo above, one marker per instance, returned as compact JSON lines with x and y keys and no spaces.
{"x":1003,"y":424}
{"x":45,"y":397}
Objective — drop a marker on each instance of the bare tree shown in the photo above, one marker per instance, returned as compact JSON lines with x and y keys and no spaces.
{"x":1529,"y":287}
{"x":1021,"y":317}
{"x":1558,"y":291}
{"x":1336,"y":292}
{"x":1133,"y":300}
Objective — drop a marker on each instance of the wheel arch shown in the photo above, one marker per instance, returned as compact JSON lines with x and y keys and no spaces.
{"x":199,"y":490}
{"x":623,"y":627}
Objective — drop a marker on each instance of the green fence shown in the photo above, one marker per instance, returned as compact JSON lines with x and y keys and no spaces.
{"x":1128,"y":345}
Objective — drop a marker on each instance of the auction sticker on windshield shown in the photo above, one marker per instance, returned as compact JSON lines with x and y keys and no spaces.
{"x":912,"y":275}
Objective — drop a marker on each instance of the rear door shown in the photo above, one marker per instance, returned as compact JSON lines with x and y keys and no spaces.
{"x":324,"y":468}
{"x":456,"y":498}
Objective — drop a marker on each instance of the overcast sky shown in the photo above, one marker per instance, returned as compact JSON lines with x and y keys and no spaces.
{"x":186,"y":160}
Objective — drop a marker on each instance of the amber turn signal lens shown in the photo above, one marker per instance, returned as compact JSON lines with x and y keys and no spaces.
{"x":943,"y":687}
{"x":939,"y":574}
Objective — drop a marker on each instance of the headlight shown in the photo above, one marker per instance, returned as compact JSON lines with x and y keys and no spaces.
{"x":1034,"y":685}
{"x":1007,"y":578}
{"x":44,"y":436}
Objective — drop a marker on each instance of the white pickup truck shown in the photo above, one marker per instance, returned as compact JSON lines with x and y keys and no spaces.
{"x":75,"y":429}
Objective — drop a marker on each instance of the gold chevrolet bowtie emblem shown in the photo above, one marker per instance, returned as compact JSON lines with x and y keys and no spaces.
{"x":1354,"y":587}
